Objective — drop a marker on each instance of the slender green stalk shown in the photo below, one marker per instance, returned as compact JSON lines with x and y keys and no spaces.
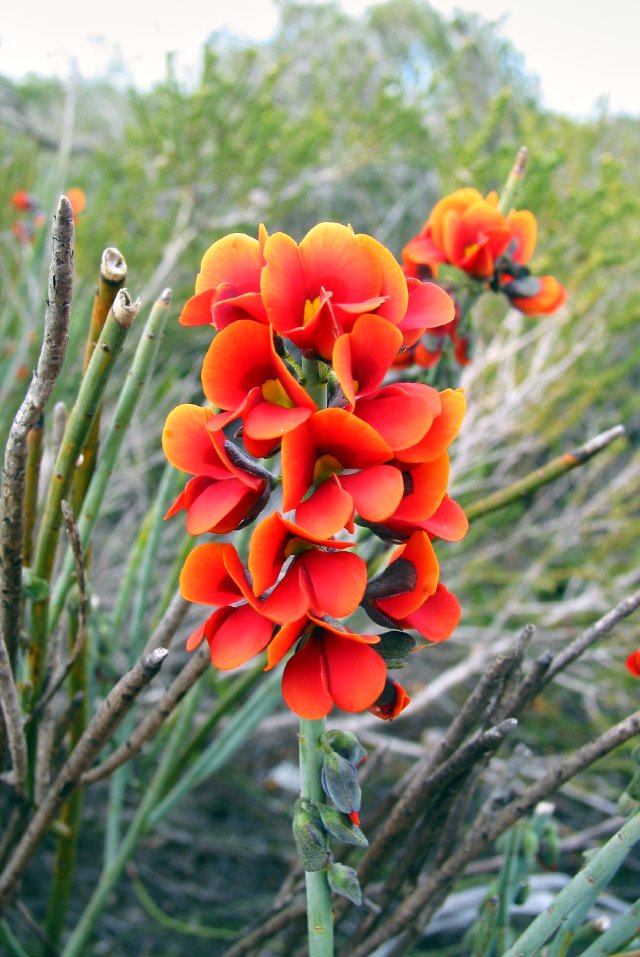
{"x":71,"y":814}
{"x":8,"y":938}
{"x":514,"y":181}
{"x":545,"y":474}
{"x":109,"y":346}
{"x":623,"y":931}
{"x":129,"y":396}
{"x":595,"y":874}
{"x":171,"y":923}
{"x":32,"y":476}
{"x":319,"y":910}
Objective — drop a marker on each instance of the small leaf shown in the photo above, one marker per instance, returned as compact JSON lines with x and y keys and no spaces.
{"x":341,"y":827}
{"x":310,"y":837}
{"x":340,"y":782}
{"x":346,"y":744}
{"x":344,"y":881}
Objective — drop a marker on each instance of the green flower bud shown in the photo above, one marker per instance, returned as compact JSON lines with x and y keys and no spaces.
{"x":340,"y":782}
{"x":344,"y":881}
{"x":346,"y":744}
{"x":549,"y":850}
{"x":341,"y":827}
{"x":395,"y":647}
{"x":310,"y":837}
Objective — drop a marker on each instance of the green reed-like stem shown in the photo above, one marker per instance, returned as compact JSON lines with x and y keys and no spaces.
{"x":514,"y":181}
{"x":91,"y":390}
{"x":621,"y":932}
{"x":319,"y":910}
{"x":594,"y":875}
{"x":32,"y":477}
{"x":545,"y":474}
{"x":136,"y":378}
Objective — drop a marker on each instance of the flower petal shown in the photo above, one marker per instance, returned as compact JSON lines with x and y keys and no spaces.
{"x":240,"y":637}
{"x":437,"y":618}
{"x":357,"y":673}
{"x":304,"y":682}
{"x":336,"y":581}
{"x":376,"y":491}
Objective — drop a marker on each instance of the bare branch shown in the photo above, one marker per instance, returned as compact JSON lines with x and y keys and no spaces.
{"x":56,"y":323}
{"x":196,"y":666}
{"x":107,"y":717}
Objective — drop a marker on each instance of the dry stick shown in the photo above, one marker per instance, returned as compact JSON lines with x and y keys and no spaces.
{"x":547,"y":473}
{"x":514,"y":181}
{"x":601,"y":627}
{"x":166,"y":628}
{"x":268,"y":928}
{"x":419,"y":787}
{"x":488,"y":829}
{"x":196,"y":666}
{"x":107,"y":717}
{"x":56,"y":323}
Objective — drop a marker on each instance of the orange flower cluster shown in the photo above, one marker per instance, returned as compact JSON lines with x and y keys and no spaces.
{"x":376,"y":456}
{"x":25,"y":228}
{"x":469,"y":232}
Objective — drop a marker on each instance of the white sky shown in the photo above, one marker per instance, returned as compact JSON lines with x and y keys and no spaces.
{"x":580,"y":49}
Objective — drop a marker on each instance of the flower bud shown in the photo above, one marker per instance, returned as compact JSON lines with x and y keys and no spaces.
{"x":340,"y":782}
{"x":346,"y":744}
{"x":392,"y":702}
{"x":310,"y":838}
{"x":341,"y":827}
{"x":344,"y":881}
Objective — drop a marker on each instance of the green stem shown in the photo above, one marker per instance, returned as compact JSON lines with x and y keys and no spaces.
{"x":542,"y":476}
{"x":129,"y":396}
{"x":623,"y":931}
{"x":514,"y":181}
{"x":319,"y":910}
{"x":88,"y":400}
{"x":595,"y":874}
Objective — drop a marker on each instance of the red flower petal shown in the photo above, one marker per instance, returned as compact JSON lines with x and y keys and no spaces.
{"x":362,"y":357}
{"x":235,"y":259}
{"x":436,"y":619}
{"x":204,"y":577}
{"x":419,"y":551}
{"x":214,"y":503}
{"x":188,"y":445}
{"x":284,"y":640}
{"x":633,"y":663}
{"x":197,"y":310}
{"x":243,"y":634}
{"x":376,"y":491}
{"x":336,"y":581}
{"x":357,"y":673}
{"x":400,"y":415}
{"x":327,"y":511}
{"x":444,"y":429}
{"x":304,"y":682}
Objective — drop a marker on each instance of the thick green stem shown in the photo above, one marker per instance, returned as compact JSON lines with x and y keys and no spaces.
{"x":319,"y":910}
{"x":595,"y":874}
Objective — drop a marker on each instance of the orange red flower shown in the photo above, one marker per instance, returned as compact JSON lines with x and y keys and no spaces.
{"x":376,"y":455}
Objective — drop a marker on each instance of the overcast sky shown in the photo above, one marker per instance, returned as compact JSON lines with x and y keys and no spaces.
{"x":581,"y":50}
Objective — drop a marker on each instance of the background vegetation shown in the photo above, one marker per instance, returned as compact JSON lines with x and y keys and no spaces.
{"x":367,"y":122}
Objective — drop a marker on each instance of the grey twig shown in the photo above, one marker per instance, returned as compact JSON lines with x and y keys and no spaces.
{"x":168,"y":624}
{"x":198,"y":663}
{"x":107,"y":717}
{"x":424,"y":789}
{"x":56,"y":323}
{"x":602,"y":627}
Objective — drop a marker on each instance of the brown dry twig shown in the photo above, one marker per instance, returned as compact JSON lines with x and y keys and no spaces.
{"x":107,"y":717}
